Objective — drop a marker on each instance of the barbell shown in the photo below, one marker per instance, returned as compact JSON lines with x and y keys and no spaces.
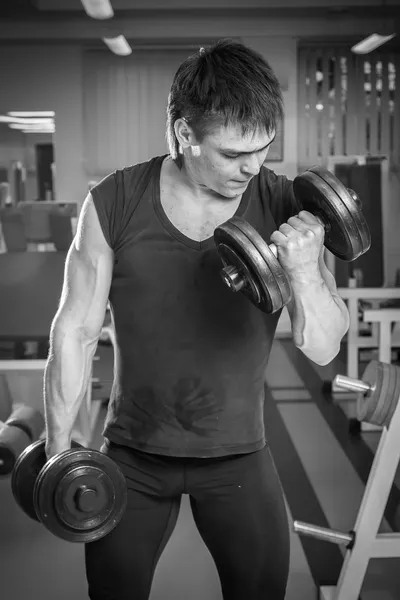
{"x":79,"y":495}
{"x":250,"y":263}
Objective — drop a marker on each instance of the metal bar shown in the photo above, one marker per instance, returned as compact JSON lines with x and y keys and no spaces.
{"x":350,"y":384}
{"x":324,"y":534}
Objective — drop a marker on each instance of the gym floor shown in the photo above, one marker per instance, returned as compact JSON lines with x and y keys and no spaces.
{"x":323,"y":470}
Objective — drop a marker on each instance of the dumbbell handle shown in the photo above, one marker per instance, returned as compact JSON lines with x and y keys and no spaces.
{"x":324,"y":534}
{"x":352,"y":385}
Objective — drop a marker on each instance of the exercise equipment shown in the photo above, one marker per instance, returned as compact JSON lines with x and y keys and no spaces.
{"x":379,"y":393}
{"x":79,"y":495}
{"x":5,"y":399}
{"x":24,"y":426}
{"x":250,"y":264}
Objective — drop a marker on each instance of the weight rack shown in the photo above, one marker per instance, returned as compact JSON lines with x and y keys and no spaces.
{"x":364,"y":542}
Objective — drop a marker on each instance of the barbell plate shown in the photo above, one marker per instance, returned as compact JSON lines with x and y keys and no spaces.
{"x":13,"y":441}
{"x":58,"y":485}
{"x":353,"y":206}
{"x":381,"y":397}
{"x":240,"y":245}
{"x":345,"y":234}
{"x":275,"y":270}
{"x":375,"y":406}
{"x":25,"y":472}
{"x":394,"y":394}
{"x":24,"y":475}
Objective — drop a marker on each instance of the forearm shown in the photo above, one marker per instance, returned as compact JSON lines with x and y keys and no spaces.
{"x":66,"y":379}
{"x":319,"y":320}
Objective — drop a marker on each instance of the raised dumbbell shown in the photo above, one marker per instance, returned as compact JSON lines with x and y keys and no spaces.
{"x":79,"y":495}
{"x":250,"y":264}
{"x":23,"y":426}
{"x":378,"y":392}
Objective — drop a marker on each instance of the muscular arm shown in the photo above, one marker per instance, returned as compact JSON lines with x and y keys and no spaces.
{"x":76,"y":328}
{"x":318,"y":315}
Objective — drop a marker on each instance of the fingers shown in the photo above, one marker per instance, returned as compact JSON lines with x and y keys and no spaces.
{"x":304,"y":222}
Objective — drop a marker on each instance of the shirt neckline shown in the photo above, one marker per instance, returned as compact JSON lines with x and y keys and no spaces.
{"x":170,"y":227}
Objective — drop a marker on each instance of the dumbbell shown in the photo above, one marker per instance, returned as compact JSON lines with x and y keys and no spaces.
{"x":23,"y":426}
{"x":79,"y":495}
{"x":378,"y":392}
{"x":251,"y":265}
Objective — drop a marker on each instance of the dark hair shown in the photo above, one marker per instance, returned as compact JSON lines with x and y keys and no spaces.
{"x":224,"y":84}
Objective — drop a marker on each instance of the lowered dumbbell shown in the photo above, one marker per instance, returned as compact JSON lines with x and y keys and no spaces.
{"x":251,"y":265}
{"x":23,"y":426}
{"x":377,"y":393}
{"x":79,"y":495}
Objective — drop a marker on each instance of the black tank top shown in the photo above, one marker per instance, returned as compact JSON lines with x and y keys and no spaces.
{"x":191,"y":356}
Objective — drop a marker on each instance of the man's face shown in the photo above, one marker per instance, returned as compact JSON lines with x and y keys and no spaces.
{"x":225,"y":161}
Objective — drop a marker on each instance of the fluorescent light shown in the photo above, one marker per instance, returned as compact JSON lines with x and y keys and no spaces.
{"x":371,"y":42}
{"x":31,"y":113}
{"x":98,"y":9}
{"x":33,"y":126}
{"x":25,"y":121}
{"x":38,"y":130}
{"x":118,"y":45}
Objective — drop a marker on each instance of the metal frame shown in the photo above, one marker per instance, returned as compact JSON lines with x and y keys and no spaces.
{"x":368,"y":542}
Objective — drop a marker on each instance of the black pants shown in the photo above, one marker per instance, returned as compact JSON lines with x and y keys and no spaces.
{"x":239,"y":510}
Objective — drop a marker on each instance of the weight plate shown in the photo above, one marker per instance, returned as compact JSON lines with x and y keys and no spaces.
{"x":380,"y":397}
{"x":387,"y":395}
{"x":80,"y":495}
{"x":24,"y":475}
{"x":353,"y":205}
{"x":394,"y":395}
{"x":366,"y":403}
{"x":275,"y":270}
{"x":239,"y":245}
{"x":344,"y":232}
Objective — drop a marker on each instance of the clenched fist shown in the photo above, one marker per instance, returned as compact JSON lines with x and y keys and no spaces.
{"x":299,"y":243}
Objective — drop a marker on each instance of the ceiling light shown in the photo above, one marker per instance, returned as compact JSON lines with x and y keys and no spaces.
{"x":21,"y":120}
{"x":31,"y":113}
{"x":118,"y":45}
{"x":38,"y":130}
{"x":98,"y":9}
{"x":33,"y":126}
{"x":371,"y":42}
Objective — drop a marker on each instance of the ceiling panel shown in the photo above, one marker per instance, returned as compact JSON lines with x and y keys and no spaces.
{"x":73,"y":5}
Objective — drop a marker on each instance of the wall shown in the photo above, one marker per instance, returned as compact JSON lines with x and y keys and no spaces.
{"x":49,"y":78}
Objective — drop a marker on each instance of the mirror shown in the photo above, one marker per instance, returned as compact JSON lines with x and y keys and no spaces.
{"x":27,"y":167}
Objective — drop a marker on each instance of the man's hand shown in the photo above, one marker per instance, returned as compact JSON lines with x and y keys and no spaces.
{"x":299,"y":243}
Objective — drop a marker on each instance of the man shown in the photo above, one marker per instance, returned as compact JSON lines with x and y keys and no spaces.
{"x":186,"y":409}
